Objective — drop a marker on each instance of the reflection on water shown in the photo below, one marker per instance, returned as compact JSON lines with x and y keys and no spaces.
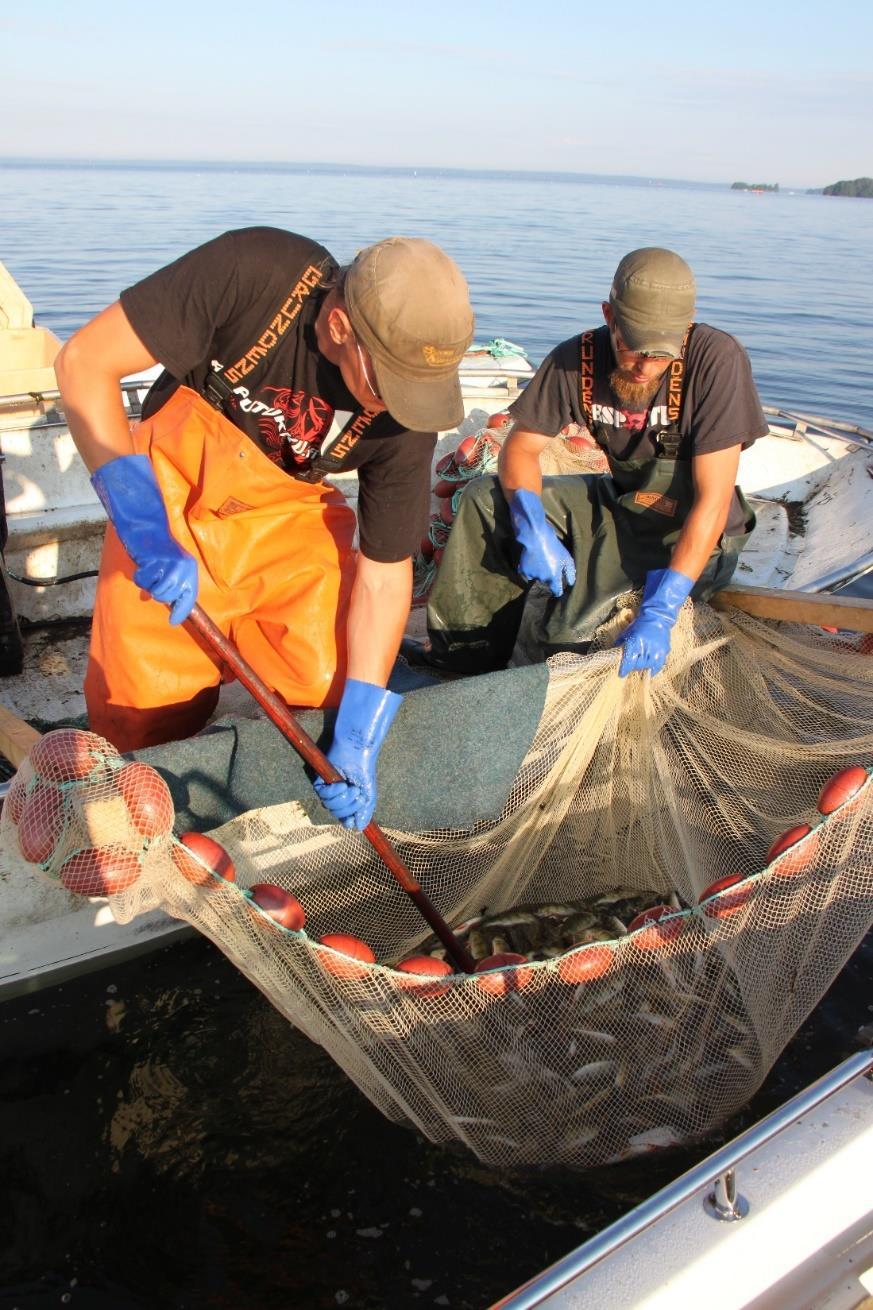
{"x":169,"y":1141}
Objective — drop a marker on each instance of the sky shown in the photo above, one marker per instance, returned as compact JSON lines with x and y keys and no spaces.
{"x":752,"y":90}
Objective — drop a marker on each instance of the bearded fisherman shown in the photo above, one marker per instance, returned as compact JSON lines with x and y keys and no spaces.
{"x":280,"y":368}
{"x":671,"y":403}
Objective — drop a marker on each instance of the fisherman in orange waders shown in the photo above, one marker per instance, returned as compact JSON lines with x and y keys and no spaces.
{"x":280,"y":368}
{"x":671,"y":403}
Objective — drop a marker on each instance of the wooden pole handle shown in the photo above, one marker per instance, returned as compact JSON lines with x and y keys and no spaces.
{"x":276,"y":710}
{"x":17,"y":738}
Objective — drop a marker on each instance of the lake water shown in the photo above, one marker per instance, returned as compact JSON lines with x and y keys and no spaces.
{"x":168,"y":1142}
{"x":790,"y":274}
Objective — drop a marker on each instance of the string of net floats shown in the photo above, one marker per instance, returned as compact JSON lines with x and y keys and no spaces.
{"x":682,"y":866}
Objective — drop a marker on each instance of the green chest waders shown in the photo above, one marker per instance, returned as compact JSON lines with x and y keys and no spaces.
{"x":617,"y":526}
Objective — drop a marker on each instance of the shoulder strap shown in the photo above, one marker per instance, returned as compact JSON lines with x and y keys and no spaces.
{"x":668,"y":441}
{"x":587,"y":376}
{"x":676,"y":381}
{"x":220,"y":383}
{"x":335,"y":450}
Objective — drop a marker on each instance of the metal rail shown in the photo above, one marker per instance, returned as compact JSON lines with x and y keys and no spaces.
{"x":716,"y":1167}
{"x":828,"y":427}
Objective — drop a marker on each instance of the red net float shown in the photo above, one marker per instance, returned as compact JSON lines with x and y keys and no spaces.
{"x":68,"y":754}
{"x":198,"y":857}
{"x":343,"y":951}
{"x":41,"y":823}
{"x":438,"y":554}
{"x":508,"y":978}
{"x":656,"y":928}
{"x":728,"y":901}
{"x":798,"y":860}
{"x":841,"y":788}
{"x":426,"y":548}
{"x":466,"y":450}
{"x":446,"y":466}
{"x":498,"y":420}
{"x":100,"y":871}
{"x":421,"y":970}
{"x":147,"y":798}
{"x":280,"y":905}
{"x":444,"y":489}
{"x":585,"y":964}
{"x":447,"y":514}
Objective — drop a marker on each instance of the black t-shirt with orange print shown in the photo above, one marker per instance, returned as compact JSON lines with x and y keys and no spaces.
{"x":248,"y":301}
{"x":721,"y":407}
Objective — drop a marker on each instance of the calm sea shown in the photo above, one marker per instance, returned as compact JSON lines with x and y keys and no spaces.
{"x":167,"y":1141}
{"x":790,"y":274}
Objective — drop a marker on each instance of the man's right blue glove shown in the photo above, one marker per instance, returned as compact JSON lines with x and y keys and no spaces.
{"x":647,"y":641}
{"x":543,"y":558}
{"x":129,"y":492}
{"x":365,"y":714}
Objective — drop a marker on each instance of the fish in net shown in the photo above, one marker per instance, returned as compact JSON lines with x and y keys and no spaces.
{"x":681,"y":867}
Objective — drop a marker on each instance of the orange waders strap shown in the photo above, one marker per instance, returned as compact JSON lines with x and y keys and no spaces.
{"x":668,"y":440}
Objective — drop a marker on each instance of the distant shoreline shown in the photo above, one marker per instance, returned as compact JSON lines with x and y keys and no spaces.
{"x":371,"y":170}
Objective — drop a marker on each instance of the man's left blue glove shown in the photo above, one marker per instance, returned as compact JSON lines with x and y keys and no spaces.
{"x":647,"y":641}
{"x":365,"y":714}
{"x":129,"y":492}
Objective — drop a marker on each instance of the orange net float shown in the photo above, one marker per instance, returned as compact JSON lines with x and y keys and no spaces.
{"x":421,"y":971}
{"x":731,"y":894}
{"x":498,"y":420}
{"x":842,"y":787}
{"x":585,"y":964}
{"x":447,"y":513}
{"x":656,"y":927}
{"x":278,"y":905}
{"x":147,"y":798}
{"x":42,"y":822}
{"x":500,"y":974}
{"x":799,"y":859}
{"x":342,"y":950}
{"x":100,"y":871}
{"x":69,"y":755}
{"x":202,"y":860}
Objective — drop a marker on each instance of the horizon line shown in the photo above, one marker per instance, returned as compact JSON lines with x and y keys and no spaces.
{"x":432,"y":169}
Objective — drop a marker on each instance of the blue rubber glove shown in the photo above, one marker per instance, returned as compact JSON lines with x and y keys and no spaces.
{"x":365,"y":714}
{"x":647,"y":641}
{"x":543,"y":558}
{"x":129,"y":492}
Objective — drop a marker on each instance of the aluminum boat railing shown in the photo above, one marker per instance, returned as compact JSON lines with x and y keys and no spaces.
{"x":718,"y":1170}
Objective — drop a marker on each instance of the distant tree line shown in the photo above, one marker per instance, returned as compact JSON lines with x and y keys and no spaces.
{"x":861,"y":186}
{"x":754,"y":186}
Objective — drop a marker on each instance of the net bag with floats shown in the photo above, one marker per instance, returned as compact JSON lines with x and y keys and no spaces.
{"x":681,"y":867}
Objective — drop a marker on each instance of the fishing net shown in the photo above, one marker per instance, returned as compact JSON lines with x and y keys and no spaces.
{"x":669,"y":952}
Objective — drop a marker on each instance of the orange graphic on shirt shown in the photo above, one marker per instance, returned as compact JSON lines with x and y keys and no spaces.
{"x":296,"y":420}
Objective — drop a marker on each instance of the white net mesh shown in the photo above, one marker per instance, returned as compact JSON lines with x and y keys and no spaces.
{"x":635,"y":792}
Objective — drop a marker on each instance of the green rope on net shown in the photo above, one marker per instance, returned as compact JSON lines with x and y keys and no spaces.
{"x":498,"y":347}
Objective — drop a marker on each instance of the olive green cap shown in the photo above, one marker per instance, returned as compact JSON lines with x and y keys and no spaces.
{"x":652,"y":298}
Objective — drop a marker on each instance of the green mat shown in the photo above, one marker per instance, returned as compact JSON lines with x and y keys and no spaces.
{"x":449,"y":760}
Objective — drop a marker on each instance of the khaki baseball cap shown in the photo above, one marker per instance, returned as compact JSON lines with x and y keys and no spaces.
{"x":409,"y":305}
{"x":652,"y":298}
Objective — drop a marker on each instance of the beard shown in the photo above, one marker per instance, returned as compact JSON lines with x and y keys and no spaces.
{"x":633,"y":396}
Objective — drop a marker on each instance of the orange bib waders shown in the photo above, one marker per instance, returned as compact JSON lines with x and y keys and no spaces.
{"x":276,"y":566}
